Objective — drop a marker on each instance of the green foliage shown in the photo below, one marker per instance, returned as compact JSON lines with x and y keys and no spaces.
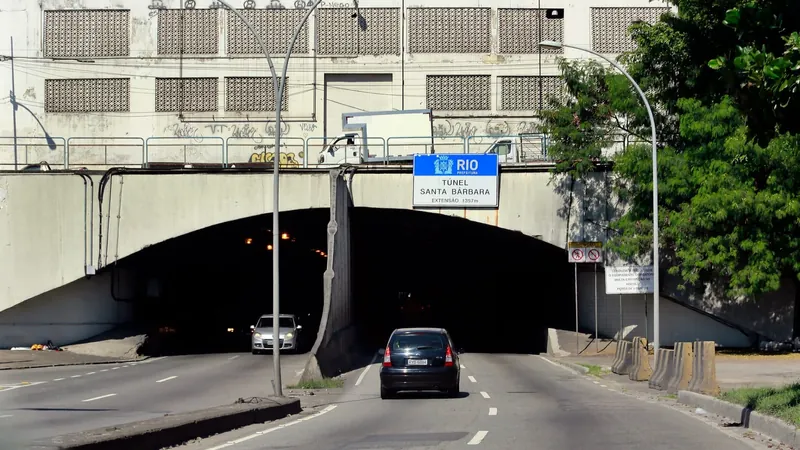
{"x":722,"y":75}
{"x":783,"y":402}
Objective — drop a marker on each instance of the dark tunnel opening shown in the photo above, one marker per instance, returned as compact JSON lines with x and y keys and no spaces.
{"x":493,"y":289}
{"x":201,"y":292}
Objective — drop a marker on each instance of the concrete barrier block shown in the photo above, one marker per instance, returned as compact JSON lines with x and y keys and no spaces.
{"x":623,"y":359}
{"x":682,"y":368}
{"x":663,"y":370}
{"x":640,"y":370}
{"x":704,"y":369}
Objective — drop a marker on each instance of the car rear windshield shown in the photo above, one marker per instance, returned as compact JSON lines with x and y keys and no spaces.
{"x":283,"y":322}
{"x":418,"y":341}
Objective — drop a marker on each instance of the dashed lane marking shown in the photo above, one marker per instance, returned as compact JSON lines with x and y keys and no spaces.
{"x":477,"y":438}
{"x":270,"y":430}
{"x":366,"y":369}
{"x":75,"y":376}
{"x":104,"y":370}
{"x":471,"y":378}
{"x":91,"y":373}
{"x":6,"y":416}
{"x":233,"y":357}
{"x":492,"y":411}
{"x":603,"y":385}
{"x":485,"y":395}
{"x":167,"y":379}
{"x":595,"y":382}
{"x":58,"y":379}
{"x":463,"y":366}
{"x":98,"y":398}
{"x":114,"y":368}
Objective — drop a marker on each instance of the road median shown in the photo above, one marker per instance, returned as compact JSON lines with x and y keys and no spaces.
{"x":175,"y":429}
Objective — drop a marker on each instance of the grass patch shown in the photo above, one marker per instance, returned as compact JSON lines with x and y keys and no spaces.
{"x":594,"y":370}
{"x":670,"y":397}
{"x":783,"y":402}
{"x":325,"y":383}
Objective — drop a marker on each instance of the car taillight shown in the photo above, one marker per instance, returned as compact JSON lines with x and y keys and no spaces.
{"x":387,"y":358}
{"x":448,"y":357}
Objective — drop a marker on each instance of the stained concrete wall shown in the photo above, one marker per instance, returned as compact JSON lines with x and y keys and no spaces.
{"x":678,"y":323}
{"x":76,"y":311}
{"x":336,"y":348}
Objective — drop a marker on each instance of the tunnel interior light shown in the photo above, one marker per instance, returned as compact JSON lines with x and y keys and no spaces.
{"x":248,"y":241}
{"x":269,"y":247}
{"x":285,"y":236}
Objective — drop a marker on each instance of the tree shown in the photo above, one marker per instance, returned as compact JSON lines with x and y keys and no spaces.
{"x":729,"y":154}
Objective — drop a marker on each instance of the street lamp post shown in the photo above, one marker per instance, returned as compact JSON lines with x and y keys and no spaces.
{"x":656,"y":291}
{"x":278,"y":85}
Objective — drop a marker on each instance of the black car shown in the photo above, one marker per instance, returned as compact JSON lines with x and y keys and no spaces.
{"x":420,"y":359}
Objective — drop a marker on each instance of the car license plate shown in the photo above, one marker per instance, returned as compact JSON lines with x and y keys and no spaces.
{"x":417,"y":362}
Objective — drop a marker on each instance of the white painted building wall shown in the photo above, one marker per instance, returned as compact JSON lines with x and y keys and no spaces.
{"x":381,"y":61}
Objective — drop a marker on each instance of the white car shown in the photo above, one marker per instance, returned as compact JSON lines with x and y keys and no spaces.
{"x":261,"y":340}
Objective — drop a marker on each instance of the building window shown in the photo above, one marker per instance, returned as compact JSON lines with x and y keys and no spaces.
{"x":276,"y":27}
{"x":186,"y":94}
{"x":86,"y":33}
{"x":459,"y":92}
{"x":82,"y":95}
{"x":252,"y":94}
{"x":530,"y":93}
{"x":610,"y":27}
{"x":449,"y":30}
{"x":376,"y":31}
{"x":188,"y":32}
{"x":522,"y":29}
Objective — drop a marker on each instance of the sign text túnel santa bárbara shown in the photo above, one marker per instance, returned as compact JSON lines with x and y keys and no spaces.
{"x":456,"y":180}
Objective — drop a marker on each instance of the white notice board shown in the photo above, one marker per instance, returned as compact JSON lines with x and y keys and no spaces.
{"x":629,"y":279}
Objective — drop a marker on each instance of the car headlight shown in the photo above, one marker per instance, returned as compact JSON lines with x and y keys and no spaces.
{"x":289,"y":335}
{"x":257,"y":336}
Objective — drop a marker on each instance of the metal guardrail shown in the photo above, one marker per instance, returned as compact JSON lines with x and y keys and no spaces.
{"x":125,"y":151}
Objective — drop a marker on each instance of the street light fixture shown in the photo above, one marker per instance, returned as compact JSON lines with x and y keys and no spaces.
{"x":279,"y":87}
{"x":656,"y":290}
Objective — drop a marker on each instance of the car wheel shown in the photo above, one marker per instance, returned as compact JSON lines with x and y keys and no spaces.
{"x":386,"y":393}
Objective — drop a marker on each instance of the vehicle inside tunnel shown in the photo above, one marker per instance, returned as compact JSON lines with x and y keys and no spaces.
{"x":495,"y":290}
{"x":202,"y":292}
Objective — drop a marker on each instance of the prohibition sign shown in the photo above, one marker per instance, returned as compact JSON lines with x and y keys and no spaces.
{"x":577,"y":254}
{"x":593,"y":255}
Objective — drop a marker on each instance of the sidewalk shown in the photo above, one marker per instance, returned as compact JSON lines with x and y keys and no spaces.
{"x":28,"y":359}
{"x":733,"y":371}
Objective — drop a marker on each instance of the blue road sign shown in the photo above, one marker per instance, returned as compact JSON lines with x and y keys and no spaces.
{"x":456,"y":180}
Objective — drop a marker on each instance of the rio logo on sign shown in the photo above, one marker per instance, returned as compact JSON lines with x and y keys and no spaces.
{"x":456,"y":181}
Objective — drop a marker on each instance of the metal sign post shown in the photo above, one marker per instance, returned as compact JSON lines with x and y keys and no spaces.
{"x":630,"y":280}
{"x":584,"y":252}
{"x":596,"y":334}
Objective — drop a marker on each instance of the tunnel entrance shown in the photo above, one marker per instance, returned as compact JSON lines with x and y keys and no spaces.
{"x":493,"y":289}
{"x":201,"y":292}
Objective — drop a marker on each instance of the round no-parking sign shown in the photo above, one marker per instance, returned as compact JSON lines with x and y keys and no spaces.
{"x":577,"y":255}
{"x":594,"y":255}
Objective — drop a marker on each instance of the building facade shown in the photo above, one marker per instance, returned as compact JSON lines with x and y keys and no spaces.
{"x":102,"y":76}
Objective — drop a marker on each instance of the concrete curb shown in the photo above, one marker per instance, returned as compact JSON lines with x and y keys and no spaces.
{"x":747,"y":418}
{"x":171,"y":430}
{"x":43,"y":366}
{"x":573,"y":366}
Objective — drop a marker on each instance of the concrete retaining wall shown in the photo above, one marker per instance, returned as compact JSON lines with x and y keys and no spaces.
{"x":336,"y":347}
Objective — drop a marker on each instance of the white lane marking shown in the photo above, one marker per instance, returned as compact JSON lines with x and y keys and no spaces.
{"x":471,"y":378}
{"x":270,"y":430}
{"x":98,"y":398}
{"x":595,"y":382}
{"x":477,"y":438}
{"x":485,"y":395}
{"x":603,"y":385}
{"x":560,"y":366}
{"x":91,"y":373}
{"x":366,"y":369}
{"x":114,"y":368}
{"x":463,"y":366}
{"x":124,"y":366}
{"x":233,"y":357}
{"x":104,"y":370}
{"x":75,"y":376}
{"x":57,"y":379}
{"x":6,"y":416}
{"x":152,"y":360}
{"x":167,"y":379}
{"x":612,"y":390}
{"x":492,"y":411}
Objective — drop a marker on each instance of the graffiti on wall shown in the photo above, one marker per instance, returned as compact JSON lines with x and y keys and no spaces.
{"x":264,"y":154}
{"x":492,"y":127}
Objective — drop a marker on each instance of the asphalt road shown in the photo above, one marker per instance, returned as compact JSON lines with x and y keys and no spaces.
{"x":37,"y":403}
{"x":508,"y":402}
